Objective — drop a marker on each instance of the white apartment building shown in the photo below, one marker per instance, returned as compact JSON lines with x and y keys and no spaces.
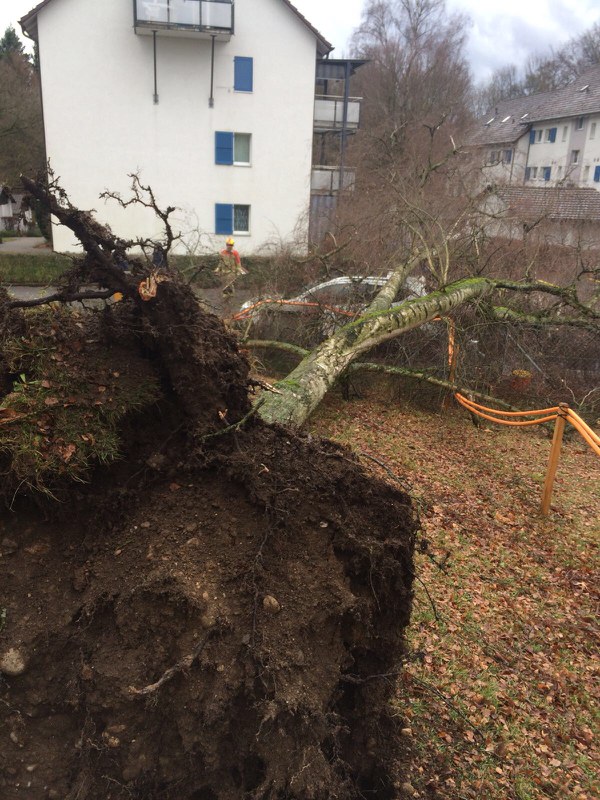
{"x":546,"y":140}
{"x":211,"y":102}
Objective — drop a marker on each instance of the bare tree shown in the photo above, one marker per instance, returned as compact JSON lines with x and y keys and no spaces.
{"x":418,"y":70}
{"x":505,"y":84}
{"x":544,"y":71}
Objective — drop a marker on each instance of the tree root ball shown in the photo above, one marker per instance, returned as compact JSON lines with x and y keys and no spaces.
{"x":220,"y":622}
{"x":277,"y":698}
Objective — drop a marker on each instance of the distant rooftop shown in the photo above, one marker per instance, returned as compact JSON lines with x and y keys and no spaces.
{"x":510,"y":119}
{"x":529,"y":202}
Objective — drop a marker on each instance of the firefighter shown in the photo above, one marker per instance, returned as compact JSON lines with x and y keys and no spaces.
{"x":229,"y":267}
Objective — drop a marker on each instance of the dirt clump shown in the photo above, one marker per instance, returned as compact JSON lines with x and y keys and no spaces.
{"x":216,"y":612}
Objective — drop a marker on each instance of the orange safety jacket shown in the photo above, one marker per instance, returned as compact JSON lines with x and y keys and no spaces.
{"x":230,"y":261}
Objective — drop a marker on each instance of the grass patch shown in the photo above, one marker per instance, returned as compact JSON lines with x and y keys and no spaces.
{"x":32,"y":270}
{"x":68,"y":397}
{"x":45,"y":269}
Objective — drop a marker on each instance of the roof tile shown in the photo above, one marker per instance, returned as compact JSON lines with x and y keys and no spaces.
{"x":530,"y":202}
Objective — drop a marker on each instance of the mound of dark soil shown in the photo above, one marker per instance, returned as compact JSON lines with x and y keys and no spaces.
{"x":218,"y":620}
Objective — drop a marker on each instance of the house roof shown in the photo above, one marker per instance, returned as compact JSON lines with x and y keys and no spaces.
{"x":530,"y":202}
{"x":510,"y":119}
{"x":504,"y":125}
{"x":29,"y":25}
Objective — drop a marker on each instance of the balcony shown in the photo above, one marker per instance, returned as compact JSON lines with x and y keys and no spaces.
{"x":329,"y":113}
{"x":196,"y":18}
{"x":326,"y":180}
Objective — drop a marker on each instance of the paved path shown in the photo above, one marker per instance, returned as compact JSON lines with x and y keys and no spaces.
{"x":212,"y":297}
{"x":26,"y":244}
{"x":29,"y":292}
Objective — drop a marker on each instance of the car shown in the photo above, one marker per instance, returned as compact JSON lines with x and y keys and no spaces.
{"x":338,"y":297}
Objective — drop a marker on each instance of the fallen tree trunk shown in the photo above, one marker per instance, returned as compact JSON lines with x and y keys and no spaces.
{"x":386,"y":369}
{"x":304,"y":388}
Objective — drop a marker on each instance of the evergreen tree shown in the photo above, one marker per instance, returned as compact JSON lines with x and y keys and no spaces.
{"x":21,"y":130}
{"x":10,"y":43}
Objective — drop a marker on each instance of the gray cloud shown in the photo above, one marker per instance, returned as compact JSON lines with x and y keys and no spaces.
{"x":498,"y":38}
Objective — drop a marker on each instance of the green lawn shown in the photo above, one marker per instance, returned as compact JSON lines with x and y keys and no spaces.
{"x":31,"y":270}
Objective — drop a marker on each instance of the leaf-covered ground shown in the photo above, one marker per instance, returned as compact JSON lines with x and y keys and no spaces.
{"x":501,"y":695}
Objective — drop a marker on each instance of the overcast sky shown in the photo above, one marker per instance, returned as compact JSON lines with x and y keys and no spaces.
{"x":502,"y":31}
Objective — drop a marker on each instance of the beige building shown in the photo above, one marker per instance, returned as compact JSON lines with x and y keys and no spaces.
{"x":544,"y":140}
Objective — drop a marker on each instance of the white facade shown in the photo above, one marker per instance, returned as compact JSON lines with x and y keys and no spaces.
{"x":545,"y":140}
{"x":506,"y":163}
{"x":102,"y":123}
{"x":571,"y":159}
{"x":14,"y":216}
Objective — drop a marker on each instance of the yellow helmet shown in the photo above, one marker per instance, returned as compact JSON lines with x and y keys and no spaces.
{"x":230,"y":241}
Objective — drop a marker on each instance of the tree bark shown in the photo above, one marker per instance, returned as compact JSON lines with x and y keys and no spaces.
{"x":307,"y":385}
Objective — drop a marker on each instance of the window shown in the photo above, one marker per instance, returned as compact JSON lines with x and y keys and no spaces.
{"x":232,"y":148}
{"x":241,"y":219}
{"x":241,"y":148}
{"x":579,"y":123}
{"x":546,"y":172}
{"x":493,"y":158}
{"x":565,"y":133}
{"x":539,"y":135}
{"x":506,"y":156}
{"x":586,"y":173}
{"x":230,"y":218}
{"x":243,"y":74}
{"x":574,"y":156}
{"x":551,"y":134}
{"x":593,"y":130}
{"x":533,"y":173}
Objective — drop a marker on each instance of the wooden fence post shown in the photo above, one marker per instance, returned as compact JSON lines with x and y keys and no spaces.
{"x":559,"y":429}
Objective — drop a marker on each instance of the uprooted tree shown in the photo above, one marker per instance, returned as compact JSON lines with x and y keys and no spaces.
{"x":429,"y":248}
{"x":216,"y":608}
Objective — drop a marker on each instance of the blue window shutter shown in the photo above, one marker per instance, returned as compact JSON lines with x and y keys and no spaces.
{"x":553,"y":134}
{"x":527,"y":173}
{"x":597,"y":174}
{"x":547,"y":173}
{"x":532,"y":136}
{"x":223,"y":147}
{"x":243,"y":69}
{"x":223,"y":218}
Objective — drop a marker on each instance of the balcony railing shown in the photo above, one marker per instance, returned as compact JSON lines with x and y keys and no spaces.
{"x":329,"y":113}
{"x":326,"y":180}
{"x":187,"y":17}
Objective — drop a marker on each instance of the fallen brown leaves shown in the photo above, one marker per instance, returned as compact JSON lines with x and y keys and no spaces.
{"x":501,"y":695}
